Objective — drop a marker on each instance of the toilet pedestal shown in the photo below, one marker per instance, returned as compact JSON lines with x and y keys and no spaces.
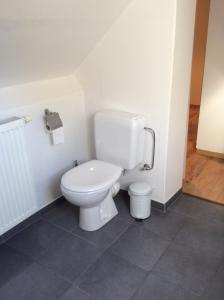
{"x":93,"y":218}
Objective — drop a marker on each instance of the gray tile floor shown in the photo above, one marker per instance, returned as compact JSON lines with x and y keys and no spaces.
{"x":174,"y":256}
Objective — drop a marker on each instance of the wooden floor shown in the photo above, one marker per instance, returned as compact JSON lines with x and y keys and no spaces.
{"x":204,"y":175}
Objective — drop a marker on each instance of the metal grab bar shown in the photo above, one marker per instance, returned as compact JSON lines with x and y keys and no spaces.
{"x":148,"y":167}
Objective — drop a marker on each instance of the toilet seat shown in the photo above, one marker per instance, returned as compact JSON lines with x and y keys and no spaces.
{"x":91,"y":176}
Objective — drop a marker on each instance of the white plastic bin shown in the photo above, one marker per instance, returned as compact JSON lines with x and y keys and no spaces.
{"x":140,"y":200}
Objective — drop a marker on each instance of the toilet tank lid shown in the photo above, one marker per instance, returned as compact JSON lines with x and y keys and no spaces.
{"x":120,"y":114}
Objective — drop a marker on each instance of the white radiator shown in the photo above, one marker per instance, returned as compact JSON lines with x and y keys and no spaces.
{"x":17,"y":197}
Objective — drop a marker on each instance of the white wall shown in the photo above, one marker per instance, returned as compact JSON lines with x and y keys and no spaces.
{"x":130,"y":70}
{"x":49,"y":38}
{"x":211,"y":121}
{"x":179,"y":104}
{"x":48,"y":162}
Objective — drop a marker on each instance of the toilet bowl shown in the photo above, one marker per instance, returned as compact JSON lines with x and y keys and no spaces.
{"x":90,"y":186}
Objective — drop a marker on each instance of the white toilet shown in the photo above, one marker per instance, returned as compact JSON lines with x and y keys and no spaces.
{"x":119,"y":143}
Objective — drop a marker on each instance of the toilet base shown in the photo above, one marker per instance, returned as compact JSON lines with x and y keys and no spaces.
{"x":93,"y":218}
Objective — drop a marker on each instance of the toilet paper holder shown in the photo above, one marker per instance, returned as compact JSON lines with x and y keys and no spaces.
{"x":52,"y":120}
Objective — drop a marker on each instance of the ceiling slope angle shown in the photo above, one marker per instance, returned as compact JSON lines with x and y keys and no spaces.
{"x":42,"y":39}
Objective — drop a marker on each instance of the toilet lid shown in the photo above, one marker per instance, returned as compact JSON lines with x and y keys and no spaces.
{"x":91,"y":176}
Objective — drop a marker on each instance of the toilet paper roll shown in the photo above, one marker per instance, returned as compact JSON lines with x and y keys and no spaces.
{"x":57,"y":136}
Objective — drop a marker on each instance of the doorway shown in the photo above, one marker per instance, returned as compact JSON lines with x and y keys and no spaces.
{"x":204,"y":175}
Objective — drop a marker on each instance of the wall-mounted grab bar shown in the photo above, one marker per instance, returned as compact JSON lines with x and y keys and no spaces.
{"x":148,"y":167}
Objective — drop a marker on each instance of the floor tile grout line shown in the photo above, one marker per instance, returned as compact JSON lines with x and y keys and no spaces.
{"x":131,"y":263}
{"x":210,"y":282}
{"x":183,"y":243}
{"x":195,"y":219}
{"x":153,"y":232}
{"x":102,"y":253}
{"x":71,"y":233}
{"x":55,"y":272}
{"x":137,"y":288}
{"x":37,"y":217}
{"x":179,"y":283}
{"x":156,"y":234}
{"x":84,"y":240}
{"x":79,"y":236}
{"x":136,"y":291}
{"x":92,"y":243}
{"x":128,"y":261}
{"x":87,"y":269}
{"x":170,"y":244}
{"x":111,"y":253}
{"x":53,"y":225}
{"x":119,"y":235}
{"x":122,"y":218}
{"x":85,"y":292}
{"x":36,"y":261}
{"x":22,"y":229}
{"x":58,"y":226}
{"x":169,"y":282}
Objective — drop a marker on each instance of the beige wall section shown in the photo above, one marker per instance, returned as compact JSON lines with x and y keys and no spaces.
{"x":179,"y":103}
{"x":200,"y":40}
{"x":211,"y":122}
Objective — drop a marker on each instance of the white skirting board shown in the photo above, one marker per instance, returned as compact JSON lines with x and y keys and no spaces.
{"x":17,"y":196}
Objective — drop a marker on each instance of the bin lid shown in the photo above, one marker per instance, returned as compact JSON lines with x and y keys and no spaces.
{"x":140,"y":188}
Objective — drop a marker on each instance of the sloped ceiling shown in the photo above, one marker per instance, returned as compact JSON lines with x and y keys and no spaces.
{"x":42,"y":39}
